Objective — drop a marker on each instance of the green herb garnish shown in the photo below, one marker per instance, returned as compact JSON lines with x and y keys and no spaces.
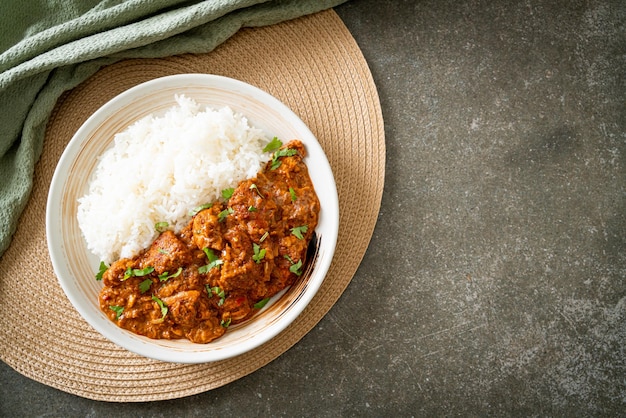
{"x":295,"y":268}
{"x":227,"y":193}
{"x":259,"y":253}
{"x":131,"y":272}
{"x":161,"y":226}
{"x":217,"y":291}
{"x":226,"y":323}
{"x":119,"y":310}
{"x":273,"y":145}
{"x":163,"y":277}
{"x":145,"y":285}
{"x":103,"y":268}
{"x":286,"y":152}
{"x":299,"y":230}
{"x":214,"y":261}
{"x":252,"y":209}
{"x":261,"y":303}
{"x":223,"y":214}
{"x":162,"y":305}
{"x":292,"y":192}
{"x":256,"y":189}
{"x":143,"y":272}
{"x":197,"y":209}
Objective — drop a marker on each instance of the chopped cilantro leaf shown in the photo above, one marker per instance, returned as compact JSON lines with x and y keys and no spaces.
{"x":296,"y":268}
{"x":217,"y":291}
{"x":162,"y":305}
{"x":286,"y":152}
{"x":227,"y":193}
{"x":103,"y":267}
{"x":214,"y":261}
{"x":163,"y":277}
{"x":273,"y":145}
{"x":131,"y":272}
{"x":210,"y":254}
{"x":203,"y":269}
{"x":292,"y":192}
{"x":197,"y":209}
{"x":298,"y":230}
{"x":119,"y":310}
{"x":223,"y":214}
{"x":145,"y":285}
{"x":161,"y":226}
{"x":142,"y":272}
{"x":261,"y":303}
{"x":259,"y":253}
{"x":255,"y":188}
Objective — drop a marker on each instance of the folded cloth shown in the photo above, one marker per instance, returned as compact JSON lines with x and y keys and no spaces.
{"x":50,"y":47}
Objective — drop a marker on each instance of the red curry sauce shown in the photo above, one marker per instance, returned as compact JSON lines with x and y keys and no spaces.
{"x":229,"y":257}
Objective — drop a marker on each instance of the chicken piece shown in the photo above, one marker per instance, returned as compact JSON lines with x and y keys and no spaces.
{"x":206,"y":331}
{"x":293,"y":190}
{"x":114,"y":275}
{"x":192,"y":311}
{"x":254,"y":210}
{"x":207,"y":228}
{"x":189,"y":278}
{"x":240,"y":270}
{"x":183,"y":307}
{"x":166,"y":254}
{"x":237,"y":307}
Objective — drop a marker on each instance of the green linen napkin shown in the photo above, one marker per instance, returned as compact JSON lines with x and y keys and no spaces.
{"x":48,"y":47}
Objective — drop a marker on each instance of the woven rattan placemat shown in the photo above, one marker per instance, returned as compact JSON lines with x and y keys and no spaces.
{"x":314,"y":66}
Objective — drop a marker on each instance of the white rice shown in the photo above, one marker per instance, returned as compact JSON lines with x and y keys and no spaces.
{"x":159,"y":169}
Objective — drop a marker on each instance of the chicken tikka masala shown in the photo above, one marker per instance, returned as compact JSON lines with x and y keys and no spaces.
{"x":232,"y":256}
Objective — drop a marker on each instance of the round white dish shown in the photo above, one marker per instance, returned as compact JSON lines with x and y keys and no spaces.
{"x":75,"y":266}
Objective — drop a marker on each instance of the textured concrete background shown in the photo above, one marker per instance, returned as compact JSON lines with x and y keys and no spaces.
{"x":495,"y":280}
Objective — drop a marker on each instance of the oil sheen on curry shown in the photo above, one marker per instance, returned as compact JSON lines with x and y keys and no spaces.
{"x":225,"y":264}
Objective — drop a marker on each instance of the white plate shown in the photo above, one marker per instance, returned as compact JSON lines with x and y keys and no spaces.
{"x":75,"y":266}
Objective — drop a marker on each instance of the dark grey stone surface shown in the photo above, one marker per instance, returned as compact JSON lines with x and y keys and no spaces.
{"x":495,"y":280}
